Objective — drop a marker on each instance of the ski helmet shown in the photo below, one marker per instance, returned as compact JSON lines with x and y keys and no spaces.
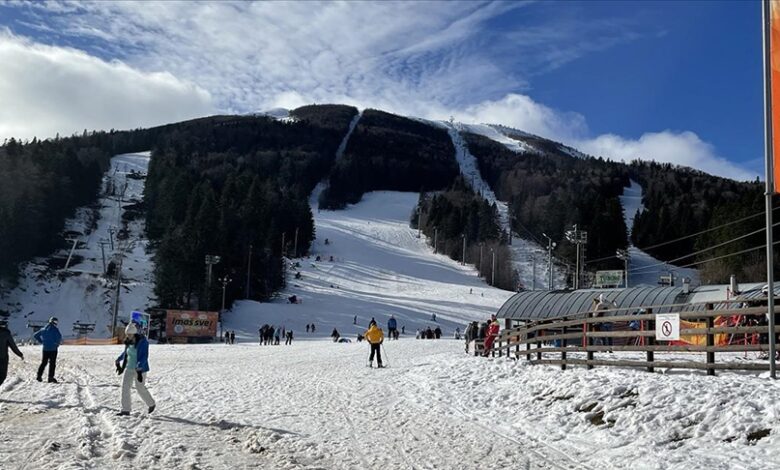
{"x":53,"y":321}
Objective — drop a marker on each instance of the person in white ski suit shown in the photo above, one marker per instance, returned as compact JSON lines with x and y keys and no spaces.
{"x":134,"y":364}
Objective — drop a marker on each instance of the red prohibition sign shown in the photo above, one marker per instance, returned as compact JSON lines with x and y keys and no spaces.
{"x":666,"y":328}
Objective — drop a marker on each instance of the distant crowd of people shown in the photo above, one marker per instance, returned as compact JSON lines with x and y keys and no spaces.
{"x":270,"y":336}
{"x":486,"y":331}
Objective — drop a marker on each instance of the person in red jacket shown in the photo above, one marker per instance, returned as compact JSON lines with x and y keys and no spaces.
{"x":492,"y":333}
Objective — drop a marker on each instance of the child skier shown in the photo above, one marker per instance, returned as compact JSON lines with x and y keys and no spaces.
{"x":134,"y":363}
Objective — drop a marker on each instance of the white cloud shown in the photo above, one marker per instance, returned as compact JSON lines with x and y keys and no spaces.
{"x":46,"y":90}
{"x":427,"y":59}
{"x":681,"y":148}
{"x":521,"y":112}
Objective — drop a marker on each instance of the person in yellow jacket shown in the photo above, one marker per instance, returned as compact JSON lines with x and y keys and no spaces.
{"x":375,"y":337}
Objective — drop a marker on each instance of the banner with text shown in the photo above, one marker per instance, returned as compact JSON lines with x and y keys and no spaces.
{"x":191,"y":323}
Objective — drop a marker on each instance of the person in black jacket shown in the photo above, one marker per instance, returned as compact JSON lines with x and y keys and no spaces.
{"x":6,"y":342}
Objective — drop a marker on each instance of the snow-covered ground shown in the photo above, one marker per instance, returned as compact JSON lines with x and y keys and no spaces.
{"x":643,"y":268}
{"x":315,"y":405}
{"x":379,"y":268}
{"x":82,"y":293}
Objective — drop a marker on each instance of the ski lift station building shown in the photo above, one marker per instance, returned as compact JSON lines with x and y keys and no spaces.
{"x":548,"y":305}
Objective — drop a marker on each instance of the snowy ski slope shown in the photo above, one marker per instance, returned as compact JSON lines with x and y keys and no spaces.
{"x":524,"y":251}
{"x":379,"y":268}
{"x":643,"y":268}
{"x":82,"y":293}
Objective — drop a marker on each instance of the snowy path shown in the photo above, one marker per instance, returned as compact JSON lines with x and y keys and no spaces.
{"x":83,"y":294}
{"x":315,"y":404}
{"x":643,"y":268}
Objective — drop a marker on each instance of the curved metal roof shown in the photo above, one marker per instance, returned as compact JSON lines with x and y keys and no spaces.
{"x":537,"y":305}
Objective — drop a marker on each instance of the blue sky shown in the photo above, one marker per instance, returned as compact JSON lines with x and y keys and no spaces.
{"x":669,"y":81}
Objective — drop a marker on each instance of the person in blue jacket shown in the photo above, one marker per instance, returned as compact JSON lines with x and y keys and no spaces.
{"x":392,"y":327}
{"x":134,"y":363}
{"x":51,"y":339}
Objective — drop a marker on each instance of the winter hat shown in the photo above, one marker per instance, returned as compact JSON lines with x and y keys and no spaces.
{"x":131,"y":329}
{"x":53,"y":321}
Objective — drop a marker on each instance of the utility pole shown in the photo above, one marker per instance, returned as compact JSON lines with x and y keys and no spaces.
{"x":550,"y":246}
{"x":463,"y":260}
{"x":103,"y":244}
{"x":533,"y":272}
{"x":295,"y":245}
{"x":435,"y":240}
{"x":493,"y":269}
{"x":771,"y":185}
{"x":419,"y":221}
{"x":225,"y":281}
{"x":623,"y":254}
{"x":211,"y":260}
{"x":248,"y":271}
{"x":116,"y":298}
{"x":111,"y":231}
{"x":578,"y":237}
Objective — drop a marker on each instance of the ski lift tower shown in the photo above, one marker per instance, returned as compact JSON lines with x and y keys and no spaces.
{"x":579,"y":238}
{"x":211,"y":260}
{"x":623,"y":254}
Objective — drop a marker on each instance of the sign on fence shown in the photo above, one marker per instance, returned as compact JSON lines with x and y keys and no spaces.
{"x":191,"y":323}
{"x":608,"y":279}
{"x":667,"y":327}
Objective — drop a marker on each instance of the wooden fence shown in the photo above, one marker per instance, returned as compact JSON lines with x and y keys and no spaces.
{"x":709,"y":331}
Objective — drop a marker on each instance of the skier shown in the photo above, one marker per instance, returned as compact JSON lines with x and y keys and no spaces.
{"x":428,"y":333}
{"x":391,"y":326}
{"x":232,"y":337}
{"x":457,"y":333}
{"x":227,"y":337}
{"x":372,"y":322}
{"x":335,"y":335}
{"x":312,"y":327}
{"x":433,"y":316}
{"x":492,"y":333}
{"x":134,"y":364}
{"x":289,"y":338}
{"x":276,"y":336}
{"x":403,"y":329}
{"x":6,"y":341}
{"x":375,"y":338}
{"x":51,"y":339}
{"x":307,"y":328}
{"x":354,"y":320}
{"x":437,"y":333}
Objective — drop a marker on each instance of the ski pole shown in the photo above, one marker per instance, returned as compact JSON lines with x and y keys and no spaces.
{"x":384,"y":353}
